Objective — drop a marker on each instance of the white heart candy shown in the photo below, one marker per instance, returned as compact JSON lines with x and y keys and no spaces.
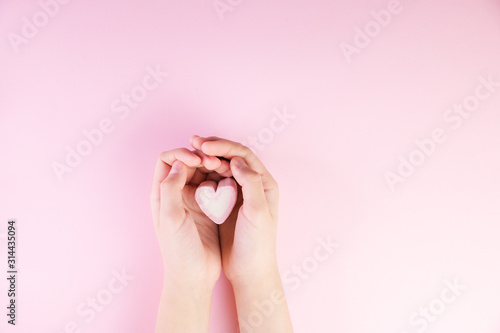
{"x":217,"y":200}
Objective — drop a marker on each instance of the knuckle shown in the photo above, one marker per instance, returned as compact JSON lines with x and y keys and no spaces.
{"x":166,"y":185}
{"x":275,"y":186}
{"x":162,"y":156}
{"x":257,"y":212}
{"x":254,"y":176}
{"x":245,"y":151}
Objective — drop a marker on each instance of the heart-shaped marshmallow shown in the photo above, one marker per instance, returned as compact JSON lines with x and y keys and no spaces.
{"x":217,"y":200}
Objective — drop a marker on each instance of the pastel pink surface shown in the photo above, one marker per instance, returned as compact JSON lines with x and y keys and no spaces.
{"x":217,"y":200}
{"x":352,"y":122}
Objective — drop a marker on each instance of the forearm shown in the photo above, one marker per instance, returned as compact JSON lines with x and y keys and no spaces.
{"x":262,"y":306}
{"x":184,"y":309}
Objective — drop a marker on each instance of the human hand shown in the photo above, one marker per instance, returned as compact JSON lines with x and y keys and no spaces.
{"x":248,"y":237}
{"x":248,"y":240}
{"x":188,"y":239}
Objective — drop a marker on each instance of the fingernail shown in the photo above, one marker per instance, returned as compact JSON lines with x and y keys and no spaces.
{"x":176,"y":167}
{"x":201,"y":147}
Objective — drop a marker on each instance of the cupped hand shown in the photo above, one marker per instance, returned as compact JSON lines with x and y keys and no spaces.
{"x":188,"y":239}
{"x":248,"y":237}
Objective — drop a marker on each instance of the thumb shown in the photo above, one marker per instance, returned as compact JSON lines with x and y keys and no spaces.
{"x":251,"y":185}
{"x":172,"y":206}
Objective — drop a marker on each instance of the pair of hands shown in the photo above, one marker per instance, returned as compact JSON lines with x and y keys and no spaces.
{"x":194,"y":249}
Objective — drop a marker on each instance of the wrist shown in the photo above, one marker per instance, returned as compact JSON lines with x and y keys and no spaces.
{"x":250,"y":270}
{"x":261,"y":305}
{"x":178,"y":287}
{"x":180,"y":278}
{"x":184,"y":308}
{"x":263,"y":279}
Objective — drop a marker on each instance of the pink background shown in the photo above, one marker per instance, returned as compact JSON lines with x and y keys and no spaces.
{"x":226,"y":76}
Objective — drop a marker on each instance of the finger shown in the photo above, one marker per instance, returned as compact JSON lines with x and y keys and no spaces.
{"x":172,"y":211}
{"x":208,"y":162}
{"x":254,"y":198}
{"x":163,"y":166}
{"x":196,"y":141}
{"x":198,"y":177}
{"x":160,"y":169}
{"x":229,"y":149}
{"x":224,"y":169}
{"x":182,"y":154}
{"x":169,"y":157}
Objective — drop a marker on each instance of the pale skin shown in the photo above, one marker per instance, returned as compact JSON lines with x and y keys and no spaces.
{"x":195,"y":249}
